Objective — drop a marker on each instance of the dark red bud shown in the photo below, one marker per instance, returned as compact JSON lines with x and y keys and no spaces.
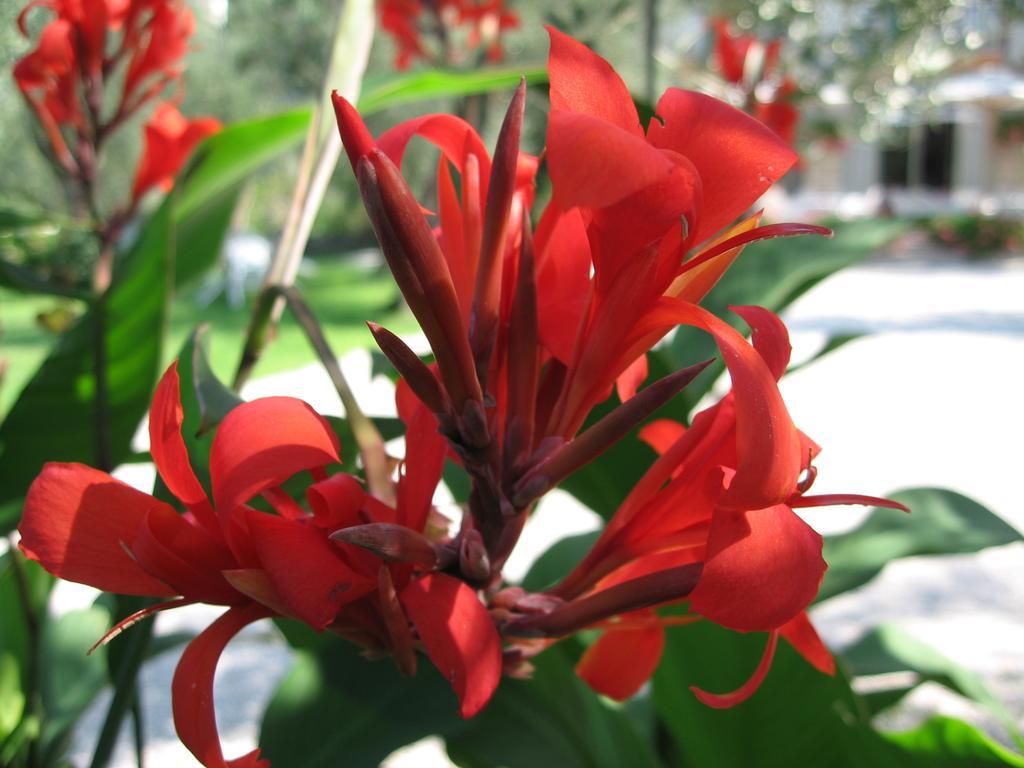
{"x":394,"y":543}
{"x":355,"y":137}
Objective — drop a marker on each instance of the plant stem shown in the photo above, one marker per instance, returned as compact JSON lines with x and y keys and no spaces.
{"x":650,"y":41}
{"x":138,"y":731}
{"x":349,"y":57}
{"x":368,"y":438}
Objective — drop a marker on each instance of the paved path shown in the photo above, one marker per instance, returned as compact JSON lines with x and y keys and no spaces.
{"x":931,"y":397}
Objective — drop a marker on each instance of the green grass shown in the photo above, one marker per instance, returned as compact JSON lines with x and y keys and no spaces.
{"x":343,"y":296}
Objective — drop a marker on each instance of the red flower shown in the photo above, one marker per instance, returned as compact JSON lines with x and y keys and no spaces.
{"x":408,"y":21}
{"x":722,"y":494}
{"x":730,"y":51}
{"x":158,"y":42}
{"x":48,"y":78}
{"x":83,"y":525}
{"x":778,"y":112}
{"x":633,"y":206}
{"x":743,"y":60}
{"x":169,"y":140}
{"x":64,"y":79}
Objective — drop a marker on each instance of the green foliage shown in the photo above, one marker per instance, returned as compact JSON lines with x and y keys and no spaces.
{"x":390,"y":90}
{"x":941,"y":522}
{"x":70,"y":679}
{"x":888,"y":649}
{"x":551,"y":719}
{"x":337,"y":707}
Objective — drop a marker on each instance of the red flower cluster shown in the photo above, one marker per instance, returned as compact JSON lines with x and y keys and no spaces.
{"x":64,"y":81}
{"x":751,"y":64}
{"x":529,"y":333}
{"x":367,"y":581}
{"x":408,"y":21}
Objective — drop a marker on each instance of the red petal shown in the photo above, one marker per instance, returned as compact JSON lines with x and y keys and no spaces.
{"x":745,"y":691}
{"x":767,"y":442}
{"x":452,"y":135}
{"x":192,"y":690}
{"x":804,"y":638}
{"x":263,"y":443}
{"x":622,"y":660}
{"x":763,"y":568}
{"x":425,"y":450}
{"x":594,"y":163}
{"x":629,"y":380}
{"x":75,"y":524}
{"x":305,"y":568}
{"x":737,"y":157}
{"x":661,"y":434}
{"x":185,"y":556}
{"x":458,"y":635}
{"x":563,"y":279}
{"x":583,"y":82}
{"x":336,"y":501}
{"x":769,"y":337}
{"x":168,"y":448}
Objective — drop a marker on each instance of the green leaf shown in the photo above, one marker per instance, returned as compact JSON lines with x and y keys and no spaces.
{"x":941,"y":522}
{"x":70,"y":679}
{"x":394,"y":90}
{"x":558,"y":560}
{"x":12,"y":695}
{"x":337,"y":708}
{"x":889,"y":649}
{"x":551,"y":719}
{"x":53,"y":419}
{"x":833,"y":343}
{"x":943,"y":742}
{"x":798,"y":717}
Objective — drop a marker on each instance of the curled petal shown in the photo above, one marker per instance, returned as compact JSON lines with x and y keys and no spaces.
{"x":75,"y":523}
{"x":192,"y":689}
{"x":767,"y":442}
{"x":745,"y":691}
{"x":261,"y":444}
{"x":305,"y":568}
{"x":622,"y":660}
{"x":583,"y":82}
{"x":769,"y":336}
{"x":452,"y":135}
{"x":184,"y":556}
{"x":802,"y":635}
{"x":168,"y":448}
{"x":736,"y":156}
{"x":458,"y":635}
{"x":763,"y":568}
{"x":336,"y":501}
